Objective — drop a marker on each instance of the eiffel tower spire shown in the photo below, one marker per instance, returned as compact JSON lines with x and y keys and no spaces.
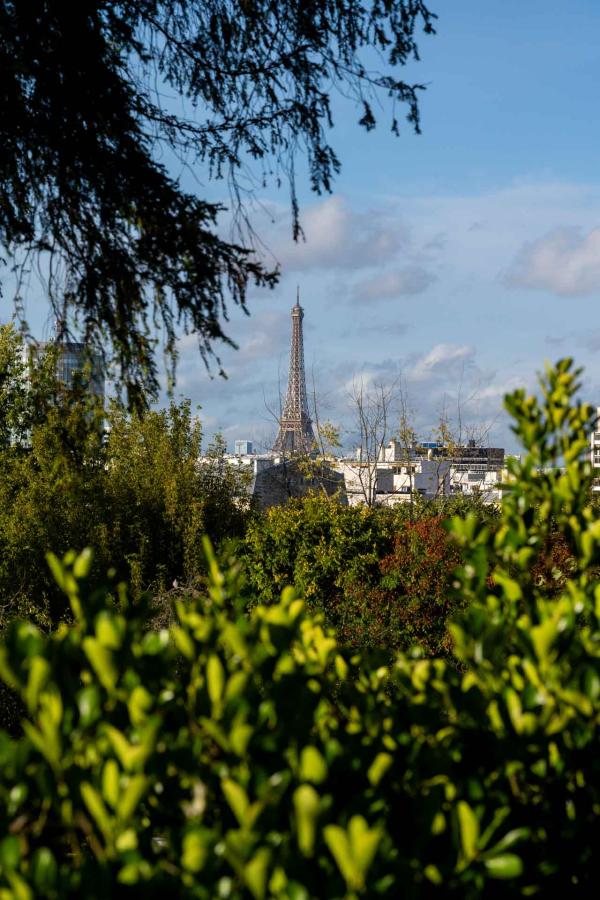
{"x":295,"y":428}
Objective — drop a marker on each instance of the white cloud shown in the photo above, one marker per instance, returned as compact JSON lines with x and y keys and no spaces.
{"x":565,"y":262}
{"x":398,"y":282}
{"x":337,"y":236}
{"x":466,"y":236}
{"x":439,"y":360}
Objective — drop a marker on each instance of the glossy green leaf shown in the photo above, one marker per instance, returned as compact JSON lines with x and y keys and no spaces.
{"x":110,"y":782}
{"x":237,"y":799}
{"x":194,"y":850}
{"x":139,"y":704}
{"x":97,"y":809}
{"x":10,"y":852}
{"x":256,"y":873}
{"x":353,"y":850}
{"x":131,"y":796}
{"x":89,"y":704}
{"x":131,"y":756}
{"x":215,"y":679}
{"x":44,"y":871}
{"x":83,"y":563}
{"x":379,"y":767}
{"x":102,"y":661}
{"x":39,"y":672}
{"x":506,"y":865}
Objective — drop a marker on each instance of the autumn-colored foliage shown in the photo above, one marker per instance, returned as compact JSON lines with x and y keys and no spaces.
{"x":413,"y":599}
{"x":381,"y":579}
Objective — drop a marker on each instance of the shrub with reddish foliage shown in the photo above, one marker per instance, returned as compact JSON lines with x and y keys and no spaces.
{"x":414,"y":597}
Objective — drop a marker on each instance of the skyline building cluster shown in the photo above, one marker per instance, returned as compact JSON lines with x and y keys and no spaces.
{"x":391,"y":473}
{"x":394,"y":474}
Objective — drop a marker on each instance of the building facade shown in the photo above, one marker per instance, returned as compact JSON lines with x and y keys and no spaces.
{"x":391,"y":482}
{"x":277,"y":478}
{"x":74,"y":362}
{"x":77,"y":361}
{"x":428,"y":469}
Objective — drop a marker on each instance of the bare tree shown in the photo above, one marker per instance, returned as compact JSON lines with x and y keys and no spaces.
{"x":373,"y":405}
{"x":327,"y":434}
{"x":449,"y":439}
{"x":454,"y":435}
{"x":274,"y":410}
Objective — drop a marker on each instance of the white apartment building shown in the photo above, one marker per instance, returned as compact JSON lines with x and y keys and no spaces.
{"x":428,"y":470}
{"x":391,"y":482}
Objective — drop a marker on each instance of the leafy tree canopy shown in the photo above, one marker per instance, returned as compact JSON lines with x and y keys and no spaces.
{"x":85,"y":132}
{"x":130,"y":485}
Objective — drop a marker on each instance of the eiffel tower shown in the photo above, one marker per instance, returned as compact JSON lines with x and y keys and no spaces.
{"x":295,"y":427}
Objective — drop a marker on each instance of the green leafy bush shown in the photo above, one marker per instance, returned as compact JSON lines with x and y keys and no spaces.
{"x":248,"y":756}
{"x":381,"y":576}
{"x":318,"y":545}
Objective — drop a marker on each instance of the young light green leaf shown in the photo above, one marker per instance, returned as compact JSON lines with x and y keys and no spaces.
{"x":379,"y":767}
{"x":237,"y":799}
{"x":306,"y":807}
{"x":102,"y":662}
{"x":194,"y":850}
{"x":507,"y":865}
{"x":255,"y":873}
{"x":131,"y":796}
{"x":468,"y":828}
{"x":312,"y":765}
{"x":110,"y":782}
{"x":97,"y":809}
{"x":215,"y":679}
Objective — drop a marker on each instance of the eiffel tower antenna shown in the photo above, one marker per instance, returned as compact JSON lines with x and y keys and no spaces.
{"x":295,"y":428}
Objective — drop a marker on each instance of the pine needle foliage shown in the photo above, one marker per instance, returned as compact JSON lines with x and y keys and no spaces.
{"x":103,"y":103}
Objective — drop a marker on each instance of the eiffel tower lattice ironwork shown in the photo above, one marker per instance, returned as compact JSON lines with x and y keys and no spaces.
{"x":295,"y":427}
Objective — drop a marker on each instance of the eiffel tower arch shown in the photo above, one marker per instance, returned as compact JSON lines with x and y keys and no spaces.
{"x":295,"y":427}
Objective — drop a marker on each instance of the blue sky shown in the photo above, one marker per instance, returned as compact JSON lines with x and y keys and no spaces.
{"x":457,"y":260}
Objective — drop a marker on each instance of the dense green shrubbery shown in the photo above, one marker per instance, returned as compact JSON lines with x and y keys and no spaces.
{"x":247,"y":756}
{"x":318,"y":545}
{"x":382,"y":577}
